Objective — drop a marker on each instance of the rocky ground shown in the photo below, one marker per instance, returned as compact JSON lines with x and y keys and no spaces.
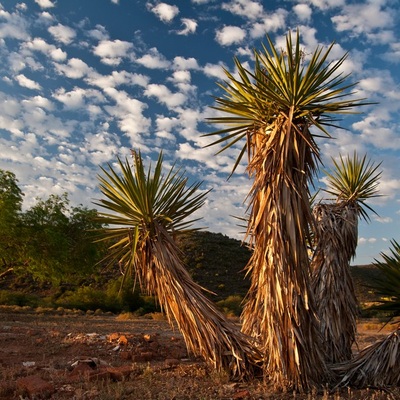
{"x":70,"y":355}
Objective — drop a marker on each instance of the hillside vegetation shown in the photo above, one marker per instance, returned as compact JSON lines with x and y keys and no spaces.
{"x":214,"y":260}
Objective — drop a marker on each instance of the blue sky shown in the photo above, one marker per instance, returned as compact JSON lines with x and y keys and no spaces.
{"x":84,"y":81}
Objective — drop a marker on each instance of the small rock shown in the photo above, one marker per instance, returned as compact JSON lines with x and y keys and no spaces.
{"x":230,"y":387}
{"x":119,"y":373}
{"x":123,"y":339}
{"x":143,"y":356}
{"x":81,"y":369}
{"x":150,"y":338}
{"x":113,"y":336}
{"x":125,"y":355}
{"x":29,"y":363}
{"x":34,"y":386}
{"x":172,"y":362}
{"x":154,"y":346}
{"x":137,"y":358}
{"x":242,"y":394}
{"x":147,"y":355}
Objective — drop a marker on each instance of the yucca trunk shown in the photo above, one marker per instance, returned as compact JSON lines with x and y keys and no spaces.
{"x":206,"y":331}
{"x":279,"y":312}
{"x":336,"y":230}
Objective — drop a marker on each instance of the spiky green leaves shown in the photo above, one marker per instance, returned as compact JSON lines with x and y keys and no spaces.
{"x":138,"y":203}
{"x":354,"y":181}
{"x":285,"y":84}
{"x":388,"y":285}
{"x":140,"y":198}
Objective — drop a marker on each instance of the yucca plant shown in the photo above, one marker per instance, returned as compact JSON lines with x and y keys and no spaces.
{"x":352,"y":182}
{"x":272,"y":110}
{"x":144,"y":212}
{"x":378,"y":365}
{"x":387,"y":286}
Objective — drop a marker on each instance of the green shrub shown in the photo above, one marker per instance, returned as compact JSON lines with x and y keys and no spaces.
{"x":12,"y":298}
{"x":387,"y":286}
{"x":232,"y":305}
{"x":115,"y":297}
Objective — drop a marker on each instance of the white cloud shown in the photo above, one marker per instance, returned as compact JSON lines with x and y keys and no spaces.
{"x":363,"y":18}
{"x":38,"y":101}
{"x":21,"y":6}
{"x":14,"y":26}
{"x":327,"y":4}
{"x":372,"y":84}
{"x":75,"y":68}
{"x":342,"y":142}
{"x":129,"y":115}
{"x":46,"y":18}
{"x":181,"y":76}
{"x":52,"y":51}
{"x":45,"y":3}
{"x":153,"y":60}
{"x":383,"y":220}
{"x":165,"y":126}
{"x":393,"y":55}
{"x":99,"y":33}
{"x":102,"y":147}
{"x":190,"y":26}
{"x":164,"y":11}
{"x":111,"y":52}
{"x":26,"y":82}
{"x":165,"y":96}
{"x":16,"y":62}
{"x":245,"y":8}
{"x":117,"y":78}
{"x":363,"y":240}
{"x":303,"y":11}
{"x":73,"y":99}
{"x":215,"y":70}
{"x":229,"y":35}
{"x":62,"y":33}
{"x":185,"y":63}
{"x":374,"y":131}
{"x":270,"y":22}
{"x":381,"y":37}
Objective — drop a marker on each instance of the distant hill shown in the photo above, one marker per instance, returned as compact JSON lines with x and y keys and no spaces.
{"x":214,"y":260}
{"x":217,"y":263}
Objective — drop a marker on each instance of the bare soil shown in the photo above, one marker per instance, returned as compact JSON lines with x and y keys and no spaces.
{"x":70,"y":355}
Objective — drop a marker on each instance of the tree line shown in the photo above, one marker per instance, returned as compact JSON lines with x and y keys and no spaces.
{"x":52,"y":240}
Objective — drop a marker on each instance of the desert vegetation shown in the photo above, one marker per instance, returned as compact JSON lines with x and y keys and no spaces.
{"x":298,"y":318}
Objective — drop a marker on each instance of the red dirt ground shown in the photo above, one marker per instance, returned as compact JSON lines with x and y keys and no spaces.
{"x":67,"y":355}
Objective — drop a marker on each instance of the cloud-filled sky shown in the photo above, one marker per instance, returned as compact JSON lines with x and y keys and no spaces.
{"x":83,"y":82}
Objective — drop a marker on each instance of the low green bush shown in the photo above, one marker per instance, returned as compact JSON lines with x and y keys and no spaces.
{"x":13,"y":298}
{"x":115,"y":297}
{"x":232,"y":305}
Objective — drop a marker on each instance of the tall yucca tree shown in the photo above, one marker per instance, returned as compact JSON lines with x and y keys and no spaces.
{"x":145,"y":210}
{"x":273,"y":109}
{"x":353,"y":181}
